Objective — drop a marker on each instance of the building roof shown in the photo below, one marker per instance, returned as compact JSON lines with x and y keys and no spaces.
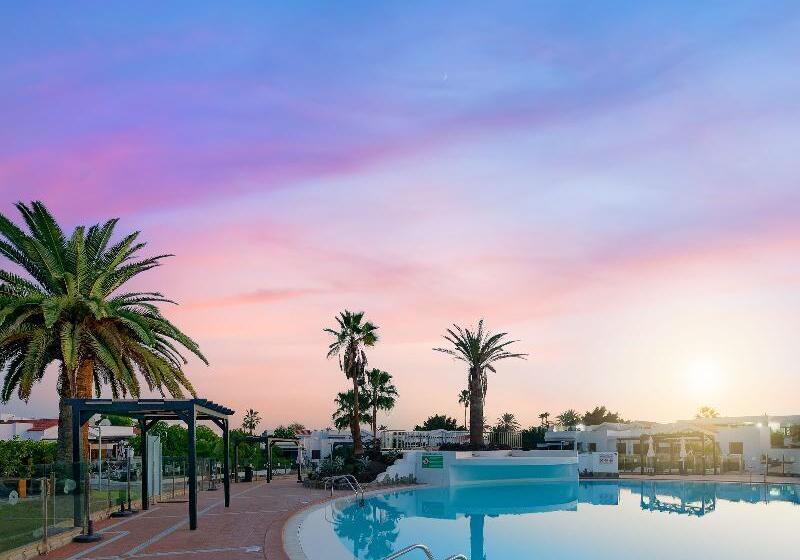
{"x":42,"y":424}
{"x":37,"y":424}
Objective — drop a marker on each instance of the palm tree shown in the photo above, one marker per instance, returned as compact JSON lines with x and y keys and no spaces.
{"x":544,"y":417}
{"x":344,"y":416}
{"x":351,"y":339}
{"x":569,"y":418}
{"x":480,"y":350}
{"x":251,"y":421}
{"x":69,"y":308}
{"x":463,"y":398}
{"x":382,"y":395}
{"x":507,"y":423}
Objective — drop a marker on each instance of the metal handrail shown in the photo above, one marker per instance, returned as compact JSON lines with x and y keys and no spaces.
{"x":424,"y":549}
{"x":351,"y":481}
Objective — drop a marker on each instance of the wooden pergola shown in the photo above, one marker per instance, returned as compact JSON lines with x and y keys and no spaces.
{"x":147,"y":412}
{"x":267,"y":441}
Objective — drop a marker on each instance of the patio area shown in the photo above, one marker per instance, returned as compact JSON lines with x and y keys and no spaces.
{"x":250,"y":529}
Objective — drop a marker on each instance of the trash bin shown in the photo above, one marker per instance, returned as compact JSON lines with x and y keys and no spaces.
{"x":248,"y":474}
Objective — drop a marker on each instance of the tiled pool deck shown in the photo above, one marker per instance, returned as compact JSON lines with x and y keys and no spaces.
{"x":250,"y":529}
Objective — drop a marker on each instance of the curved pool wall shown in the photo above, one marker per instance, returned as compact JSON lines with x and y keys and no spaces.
{"x":461,"y":468}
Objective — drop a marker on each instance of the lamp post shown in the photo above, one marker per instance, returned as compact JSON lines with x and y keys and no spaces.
{"x":99,"y":425}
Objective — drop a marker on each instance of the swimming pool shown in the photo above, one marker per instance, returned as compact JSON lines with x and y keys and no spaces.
{"x":618,"y":520}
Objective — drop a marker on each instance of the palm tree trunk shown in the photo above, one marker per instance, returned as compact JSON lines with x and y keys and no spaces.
{"x":465,"y":416}
{"x":375,"y":443}
{"x":83,"y":390}
{"x":358,"y":447}
{"x":64,"y":430}
{"x":475,"y":408}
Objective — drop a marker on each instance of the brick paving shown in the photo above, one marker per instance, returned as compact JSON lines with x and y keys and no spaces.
{"x":251,"y":529}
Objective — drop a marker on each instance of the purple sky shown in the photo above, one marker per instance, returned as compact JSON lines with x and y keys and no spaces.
{"x":616,"y":186}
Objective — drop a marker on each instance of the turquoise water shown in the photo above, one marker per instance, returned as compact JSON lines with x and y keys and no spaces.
{"x":619,"y":520}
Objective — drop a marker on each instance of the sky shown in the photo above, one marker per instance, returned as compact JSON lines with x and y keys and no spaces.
{"x":613,"y":184}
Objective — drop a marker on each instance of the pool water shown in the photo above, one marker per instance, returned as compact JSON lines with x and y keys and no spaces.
{"x":618,"y":520}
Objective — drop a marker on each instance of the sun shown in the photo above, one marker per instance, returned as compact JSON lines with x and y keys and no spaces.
{"x":704,"y":378}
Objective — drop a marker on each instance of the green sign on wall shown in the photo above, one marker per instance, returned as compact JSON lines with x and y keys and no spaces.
{"x":432,"y":461}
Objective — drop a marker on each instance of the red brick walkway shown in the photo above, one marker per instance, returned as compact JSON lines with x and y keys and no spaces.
{"x":250,"y":529}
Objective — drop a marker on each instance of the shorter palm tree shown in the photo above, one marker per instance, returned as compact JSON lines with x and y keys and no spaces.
{"x":463,"y":399}
{"x":382,"y":395}
{"x":343,"y":416}
{"x":251,"y":421}
{"x":507,"y":423}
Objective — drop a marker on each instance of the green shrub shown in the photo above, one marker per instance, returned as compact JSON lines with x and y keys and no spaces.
{"x":19,"y":457}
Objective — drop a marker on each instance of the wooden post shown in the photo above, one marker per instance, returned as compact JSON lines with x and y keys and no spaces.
{"x":226,"y":463}
{"x":145,"y":465}
{"x":192,"y":425}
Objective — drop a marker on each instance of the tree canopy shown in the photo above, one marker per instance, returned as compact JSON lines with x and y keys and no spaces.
{"x":439,"y":422}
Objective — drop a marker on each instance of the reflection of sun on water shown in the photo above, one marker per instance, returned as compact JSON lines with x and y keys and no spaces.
{"x":704,"y":378}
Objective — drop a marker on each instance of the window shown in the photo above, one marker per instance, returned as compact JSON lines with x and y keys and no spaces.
{"x":315,"y":454}
{"x":622,"y":448}
{"x":736,"y":448}
{"x":637,"y":448}
{"x":592,"y":447}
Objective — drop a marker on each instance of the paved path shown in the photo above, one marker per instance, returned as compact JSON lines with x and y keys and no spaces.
{"x":251,"y":529}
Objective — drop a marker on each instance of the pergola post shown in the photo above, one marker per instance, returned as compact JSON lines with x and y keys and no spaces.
{"x":269,"y":461}
{"x":76,"y":464}
{"x":714,"y":449}
{"x":641,"y":454}
{"x":236,"y":461}
{"x":191,"y":422}
{"x":145,"y":465}
{"x":226,"y":462}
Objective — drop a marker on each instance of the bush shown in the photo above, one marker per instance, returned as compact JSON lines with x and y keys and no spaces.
{"x":18,"y":457}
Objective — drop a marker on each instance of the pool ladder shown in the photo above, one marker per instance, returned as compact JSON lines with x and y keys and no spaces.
{"x":351,"y":481}
{"x":423,"y":548}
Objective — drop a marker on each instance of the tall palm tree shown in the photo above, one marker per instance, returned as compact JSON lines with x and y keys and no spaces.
{"x":351,"y":339}
{"x":480,"y":349}
{"x":507,"y":423}
{"x":344,"y":415}
{"x":251,"y":421}
{"x":68,"y":307}
{"x":382,"y":395}
{"x":463,"y":398}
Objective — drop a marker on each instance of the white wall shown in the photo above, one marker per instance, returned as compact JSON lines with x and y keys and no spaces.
{"x":17,"y":429}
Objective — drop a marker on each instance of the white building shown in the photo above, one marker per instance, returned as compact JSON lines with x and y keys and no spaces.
{"x":46,"y":429}
{"x":742,"y":441}
{"x":41,"y":429}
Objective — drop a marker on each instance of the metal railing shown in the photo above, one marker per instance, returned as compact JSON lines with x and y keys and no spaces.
{"x":404,"y":439}
{"x":425,"y":550}
{"x":351,"y":481}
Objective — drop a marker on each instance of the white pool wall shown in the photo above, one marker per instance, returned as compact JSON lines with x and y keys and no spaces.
{"x":478,"y":467}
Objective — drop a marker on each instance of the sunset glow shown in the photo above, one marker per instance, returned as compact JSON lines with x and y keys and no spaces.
{"x":616,"y":187}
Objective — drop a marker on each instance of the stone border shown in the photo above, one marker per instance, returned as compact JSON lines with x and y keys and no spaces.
{"x":291,"y":529}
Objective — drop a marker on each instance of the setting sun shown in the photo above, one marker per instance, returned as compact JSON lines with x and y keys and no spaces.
{"x":704,"y":378}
